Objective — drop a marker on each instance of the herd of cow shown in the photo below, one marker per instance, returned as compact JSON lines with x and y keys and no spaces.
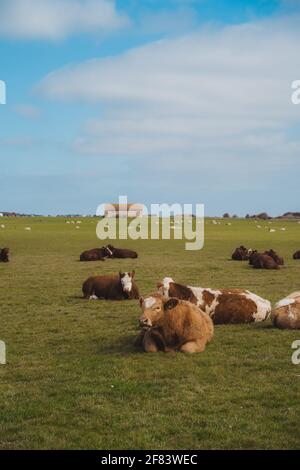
{"x":179,"y":317}
{"x":267,"y":260}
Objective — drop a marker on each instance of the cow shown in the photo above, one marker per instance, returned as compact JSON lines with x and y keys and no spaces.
{"x":262,"y":261}
{"x":95,"y":254}
{"x":286,"y":313}
{"x":252,"y":256}
{"x":241,"y":254}
{"x":4,"y":255}
{"x":171,"y":325}
{"x":296,"y":255}
{"x":222,"y":305}
{"x":278,"y":259}
{"x":120,"y":252}
{"x":113,"y":287}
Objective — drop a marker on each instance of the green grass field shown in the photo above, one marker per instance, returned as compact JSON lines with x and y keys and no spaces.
{"x":73,"y":378}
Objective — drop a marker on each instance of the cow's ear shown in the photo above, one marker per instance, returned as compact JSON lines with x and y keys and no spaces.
{"x":159,"y":285}
{"x":120,"y":274}
{"x":170,"y":304}
{"x":133,"y":274}
{"x":141,"y":301}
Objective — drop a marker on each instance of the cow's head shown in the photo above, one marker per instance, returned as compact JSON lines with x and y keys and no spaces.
{"x":164,"y":285}
{"x":154,"y":307}
{"x":108,"y":250}
{"x":126,"y":281}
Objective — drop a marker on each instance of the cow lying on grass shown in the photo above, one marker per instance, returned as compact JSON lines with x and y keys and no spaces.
{"x":222,"y":305}
{"x":173,"y":325}
{"x":296,"y":255}
{"x":241,"y":254}
{"x":286,"y":313}
{"x":95,"y":254}
{"x":262,"y":261}
{"x":278,"y":259}
{"x":120,"y":252}
{"x":4,"y":255}
{"x":115,"y":287}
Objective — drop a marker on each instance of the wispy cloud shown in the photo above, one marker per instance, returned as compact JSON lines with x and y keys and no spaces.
{"x":27,"y":111}
{"x":56,"y":19}
{"x":213,"y":97}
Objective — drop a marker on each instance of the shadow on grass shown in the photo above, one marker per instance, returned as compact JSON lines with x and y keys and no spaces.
{"x":125,"y":346}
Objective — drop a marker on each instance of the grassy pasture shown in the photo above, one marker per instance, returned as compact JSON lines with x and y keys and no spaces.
{"x":74,"y":379}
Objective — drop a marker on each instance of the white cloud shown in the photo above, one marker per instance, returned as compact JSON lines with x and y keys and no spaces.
{"x":56,"y":19}
{"x":27,"y":111}
{"x":215,"y":99}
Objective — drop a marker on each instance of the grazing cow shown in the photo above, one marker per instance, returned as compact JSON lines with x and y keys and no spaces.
{"x":4,"y":255}
{"x":262,"y":261}
{"x":173,"y":325}
{"x":296,"y":255}
{"x":222,"y":305}
{"x":278,"y":259}
{"x":118,"y":287}
{"x":241,"y":254}
{"x":286,"y":313}
{"x":96,"y":254}
{"x":120,"y":252}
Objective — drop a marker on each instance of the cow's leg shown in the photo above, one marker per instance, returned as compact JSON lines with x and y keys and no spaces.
{"x":149,"y":343}
{"x":193,"y":346}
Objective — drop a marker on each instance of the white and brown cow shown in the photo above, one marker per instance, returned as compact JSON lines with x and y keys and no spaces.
{"x":222,"y":305}
{"x":286,"y":313}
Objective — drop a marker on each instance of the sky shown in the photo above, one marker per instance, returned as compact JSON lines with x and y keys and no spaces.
{"x":174,"y":101}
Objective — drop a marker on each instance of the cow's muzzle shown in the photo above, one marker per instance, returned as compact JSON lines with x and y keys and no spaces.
{"x":145,"y":322}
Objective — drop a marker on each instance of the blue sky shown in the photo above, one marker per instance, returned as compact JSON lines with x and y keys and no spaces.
{"x":164,"y":101}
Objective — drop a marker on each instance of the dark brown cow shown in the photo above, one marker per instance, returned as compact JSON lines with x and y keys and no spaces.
{"x":262,"y":261}
{"x":95,"y":254}
{"x":4,"y":255}
{"x":114,"y":287}
{"x":296,"y":255}
{"x":253,"y":256}
{"x":241,"y":254}
{"x":120,"y":252}
{"x":278,"y":259}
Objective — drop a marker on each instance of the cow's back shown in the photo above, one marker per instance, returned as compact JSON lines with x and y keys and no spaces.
{"x":102,"y":287}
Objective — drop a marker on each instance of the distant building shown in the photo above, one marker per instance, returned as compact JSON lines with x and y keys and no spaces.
{"x":123,"y":210}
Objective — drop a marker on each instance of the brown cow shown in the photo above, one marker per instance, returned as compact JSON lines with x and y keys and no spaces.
{"x":286,"y":313}
{"x":252,"y":256}
{"x":4,"y":255}
{"x":241,"y":254}
{"x":296,"y":255}
{"x":173,"y":325}
{"x":120,"y":252}
{"x":278,"y":259}
{"x":222,"y":305}
{"x":114,"y":287}
{"x":263,"y":261}
{"x":95,"y":254}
